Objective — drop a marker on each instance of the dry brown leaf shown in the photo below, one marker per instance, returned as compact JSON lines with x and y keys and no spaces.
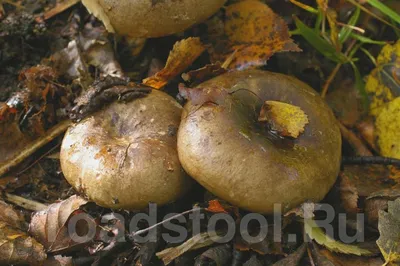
{"x":11,"y":216}
{"x":348,"y":194}
{"x":286,"y":119}
{"x":377,"y":202}
{"x":251,"y":30}
{"x":183,"y":54}
{"x":16,"y":247}
{"x":59,"y":261}
{"x":50,"y":226}
{"x":205,"y":73}
{"x":350,"y":260}
{"x":198,"y":241}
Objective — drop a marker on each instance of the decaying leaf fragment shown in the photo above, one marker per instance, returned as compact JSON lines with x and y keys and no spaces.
{"x":286,"y":119}
{"x":253,"y":32}
{"x":11,"y":216}
{"x":196,"y":242}
{"x":387,"y":129}
{"x":389,"y":229}
{"x":50,"y":227}
{"x":183,"y":54}
{"x":316,"y":233}
{"x":383,"y":83}
{"x":16,"y":247}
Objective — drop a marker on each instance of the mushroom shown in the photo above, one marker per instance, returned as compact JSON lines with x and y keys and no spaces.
{"x":223,"y":145}
{"x":125,"y":156}
{"x":151,"y":18}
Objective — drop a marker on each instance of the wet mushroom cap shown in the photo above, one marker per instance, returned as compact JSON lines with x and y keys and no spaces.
{"x":125,"y":156}
{"x":151,"y":18}
{"x":224,"y":147}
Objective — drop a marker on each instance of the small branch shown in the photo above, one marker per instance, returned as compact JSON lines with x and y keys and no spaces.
{"x":132,"y":235}
{"x":354,"y":141}
{"x":34,"y":146}
{"x":25,"y":203}
{"x":330,"y":79}
{"x":364,"y":160}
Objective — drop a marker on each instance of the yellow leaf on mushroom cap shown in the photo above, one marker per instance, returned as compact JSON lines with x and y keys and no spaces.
{"x":288,"y":120}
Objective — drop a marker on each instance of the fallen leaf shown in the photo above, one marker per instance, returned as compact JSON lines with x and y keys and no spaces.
{"x":253,"y":261}
{"x":252,"y":31}
{"x":387,"y":125}
{"x":314,"y":232}
{"x":183,"y":54}
{"x":219,"y":255}
{"x":11,"y":216}
{"x":286,"y":119}
{"x":16,"y":247}
{"x":205,"y":73}
{"x":215,"y":207}
{"x":199,"y":96}
{"x":377,"y":202}
{"x":346,"y":103}
{"x":350,"y":260}
{"x":50,"y":226}
{"x":59,"y":261}
{"x":389,"y":229}
{"x":294,"y":258}
{"x":383,"y":83}
{"x":348,"y":194}
{"x":196,"y":242}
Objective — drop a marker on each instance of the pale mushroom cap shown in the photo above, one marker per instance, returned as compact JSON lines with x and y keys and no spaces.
{"x":125,"y":155}
{"x":151,"y":18}
{"x":222,"y":146}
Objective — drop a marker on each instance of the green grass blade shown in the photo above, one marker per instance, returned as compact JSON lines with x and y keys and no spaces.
{"x":360,"y":85}
{"x":364,"y":39}
{"x":385,"y":10}
{"x":321,"y":45}
{"x":344,"y":33}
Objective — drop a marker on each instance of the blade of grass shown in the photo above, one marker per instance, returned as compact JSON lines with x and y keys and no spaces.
{"x":360,"y":86}
{"x":321,"y":45}
{"x":364,"y":39}
{"x":385,"y":10}
{"x":369,"y":55}
{"x":372,"y":14}
{"x":344,"y":33}
{"x":304,"y":6}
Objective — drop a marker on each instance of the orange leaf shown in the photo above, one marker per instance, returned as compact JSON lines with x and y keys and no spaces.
{"x":181,"y":57}
{"x":251,"y":30}
{"x":215,"y":206}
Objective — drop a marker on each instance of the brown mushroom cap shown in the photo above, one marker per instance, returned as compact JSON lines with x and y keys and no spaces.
{"x":151,"y":18}
{"x":125,"y":156}
{"x":223,"y":146}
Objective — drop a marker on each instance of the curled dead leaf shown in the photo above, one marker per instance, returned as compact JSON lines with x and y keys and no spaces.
{"x":50,"y":226}
{"x":183,"y":54}
{"x":16,"y":247}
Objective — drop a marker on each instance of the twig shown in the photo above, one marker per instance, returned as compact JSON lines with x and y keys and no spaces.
{"x":34,"y":146}
{"x":25,"y":203}
{"x":363,"y":160}
{"x":330,"y":79}
{"x":132,"y":235}
{"x":59,"y":8}
{"x":354,"y":141}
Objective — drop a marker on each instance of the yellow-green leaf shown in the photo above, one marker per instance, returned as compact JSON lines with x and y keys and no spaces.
{"x":316,"y":233}
{"x":286,"y":119}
